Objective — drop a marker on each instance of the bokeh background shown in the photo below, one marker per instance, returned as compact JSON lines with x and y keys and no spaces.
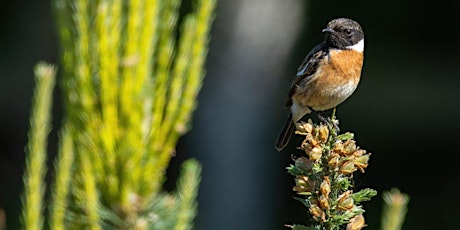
{"x":405,"y":110}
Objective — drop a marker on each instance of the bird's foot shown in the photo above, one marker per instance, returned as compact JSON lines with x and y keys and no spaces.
{"x":330,"y":121}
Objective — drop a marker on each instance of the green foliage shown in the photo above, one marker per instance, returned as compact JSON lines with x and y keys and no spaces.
{"x":40,"y":125}
{"x":63,"y":172}
{"x":130,"y":80}
{"x":394,"y":210}
{"x":364,"y":195}
{"x":301,"y":227}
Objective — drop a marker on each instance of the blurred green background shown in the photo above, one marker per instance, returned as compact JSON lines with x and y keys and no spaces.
{"x":405,"y":110}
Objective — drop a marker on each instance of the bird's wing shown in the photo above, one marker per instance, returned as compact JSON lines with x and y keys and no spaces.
{"x":308,"y":68}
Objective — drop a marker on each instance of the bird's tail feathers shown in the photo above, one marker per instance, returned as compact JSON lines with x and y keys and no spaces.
{"x":285,"y":135}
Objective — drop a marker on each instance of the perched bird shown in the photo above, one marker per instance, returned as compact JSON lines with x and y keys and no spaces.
{"x":328,"y":75}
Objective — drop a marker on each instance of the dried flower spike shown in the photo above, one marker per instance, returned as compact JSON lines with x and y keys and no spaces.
{"x":323,"y":177}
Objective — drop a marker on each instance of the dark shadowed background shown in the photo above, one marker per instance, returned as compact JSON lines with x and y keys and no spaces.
{"x":405,"y":110}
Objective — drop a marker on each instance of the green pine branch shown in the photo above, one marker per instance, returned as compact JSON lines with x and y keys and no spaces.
{"x":63,"y":175}
{"x":40,"y":126}
{"x":130,"y":80}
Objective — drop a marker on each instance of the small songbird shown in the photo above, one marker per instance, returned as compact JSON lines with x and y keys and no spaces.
{"x":328,"y":75}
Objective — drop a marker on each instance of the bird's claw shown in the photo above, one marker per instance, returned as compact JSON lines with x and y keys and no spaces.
{"x":330,"y":121}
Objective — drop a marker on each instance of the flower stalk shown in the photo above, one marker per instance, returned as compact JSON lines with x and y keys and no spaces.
{"x":323,"y":176}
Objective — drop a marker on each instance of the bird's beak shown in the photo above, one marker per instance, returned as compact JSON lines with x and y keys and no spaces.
{"x":328,"y":30}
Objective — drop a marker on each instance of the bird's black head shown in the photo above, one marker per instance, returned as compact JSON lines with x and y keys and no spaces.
{"x":344,"y":33}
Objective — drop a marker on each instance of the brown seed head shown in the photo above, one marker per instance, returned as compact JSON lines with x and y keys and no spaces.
{"x":347,"y":167}
{"x":338,"y":147}
{"x":317,"y":213}
{"x":304,"y":163}
{"x":314,"y":153}
{"x":323,"y":202}
{"x":349,"y":147}
{"x":304,"y":127}
{"x":325,"y":187}
{"x":323,"y":133}
{"x":361,"y":162}
{"x":356,"y":223}
{"x":345,"y":202}
{"x":359,"y":152}
{"x":334,"y":160}
{"x":303,"y":184}
{"x":315,"y":142}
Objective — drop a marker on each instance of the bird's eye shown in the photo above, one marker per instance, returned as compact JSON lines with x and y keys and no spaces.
{"x":348,"y":31}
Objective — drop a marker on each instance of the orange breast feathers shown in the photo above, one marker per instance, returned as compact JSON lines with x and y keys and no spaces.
{"x":345,"y":64}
